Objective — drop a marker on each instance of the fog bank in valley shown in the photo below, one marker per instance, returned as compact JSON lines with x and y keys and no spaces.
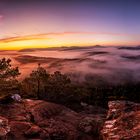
{"x":95,"y":64}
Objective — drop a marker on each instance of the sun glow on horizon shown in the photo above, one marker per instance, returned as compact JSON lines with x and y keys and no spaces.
{"x":62,"y":39}
{"x":56,"y":23}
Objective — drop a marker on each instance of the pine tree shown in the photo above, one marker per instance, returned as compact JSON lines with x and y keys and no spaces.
{"x":8,"y":75}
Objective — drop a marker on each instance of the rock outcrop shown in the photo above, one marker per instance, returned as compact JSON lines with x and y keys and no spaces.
{"x":123,"y":121}
{"x":40,"y":120}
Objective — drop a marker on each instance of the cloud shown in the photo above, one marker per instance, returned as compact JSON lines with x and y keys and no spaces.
{"x":46,"y":35}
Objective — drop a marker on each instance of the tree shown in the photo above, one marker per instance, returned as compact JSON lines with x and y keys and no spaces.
{"x":57,"y":86}
{"x":7,"y":72}
{"x":35,"y":83}
{"x":42,"y":85}
{"x":8,"y":75}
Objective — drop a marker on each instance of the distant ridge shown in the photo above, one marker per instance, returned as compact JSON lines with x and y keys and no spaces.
{"x":63,"y":48}
{"x":130,"y":48}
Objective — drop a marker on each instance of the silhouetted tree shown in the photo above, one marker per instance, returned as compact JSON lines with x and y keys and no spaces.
{"x":42,"y":85}
{"x":57,"y":86}
{"x":36,"y":81}
{"x":8,"y":74}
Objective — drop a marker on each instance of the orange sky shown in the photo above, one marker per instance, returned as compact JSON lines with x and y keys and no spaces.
{"x":65,"y":39}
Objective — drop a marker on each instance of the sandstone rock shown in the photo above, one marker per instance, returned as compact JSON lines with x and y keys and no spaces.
{"x":37,"y":119}
{"x":4,"y":127}
{"x":123,"y":121}
{"x":17,"y":130}
{"x":14,"y":111}
{"x":90,"y":125}
{"x":42,"y":110}
{"x":34,"y":131}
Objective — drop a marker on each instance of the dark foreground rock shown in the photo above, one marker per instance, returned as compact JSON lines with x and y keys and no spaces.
{"x":40,"y":120}
{"x":123,"y":121}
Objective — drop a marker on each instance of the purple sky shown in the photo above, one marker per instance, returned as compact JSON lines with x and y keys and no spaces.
{"x":112,"y":21}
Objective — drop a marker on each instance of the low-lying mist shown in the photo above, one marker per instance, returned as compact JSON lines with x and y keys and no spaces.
{"x":96,"y":65}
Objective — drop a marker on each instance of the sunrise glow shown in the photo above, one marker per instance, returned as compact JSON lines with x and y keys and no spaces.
{"x":62,"y":39}
{"x":42,"y":24}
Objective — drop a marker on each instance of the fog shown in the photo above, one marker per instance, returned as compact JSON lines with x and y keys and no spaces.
{"x":90,"y":64}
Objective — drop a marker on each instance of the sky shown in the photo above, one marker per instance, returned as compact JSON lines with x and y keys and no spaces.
{"x":55,"y":23}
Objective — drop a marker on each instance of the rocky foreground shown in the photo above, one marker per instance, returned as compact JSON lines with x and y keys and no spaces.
{"x":40,"y":120}
{"x":122,"y":122}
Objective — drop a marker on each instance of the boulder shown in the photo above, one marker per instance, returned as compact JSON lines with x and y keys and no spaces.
{"x":16,"y":98}
{"x":123,"y":121}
